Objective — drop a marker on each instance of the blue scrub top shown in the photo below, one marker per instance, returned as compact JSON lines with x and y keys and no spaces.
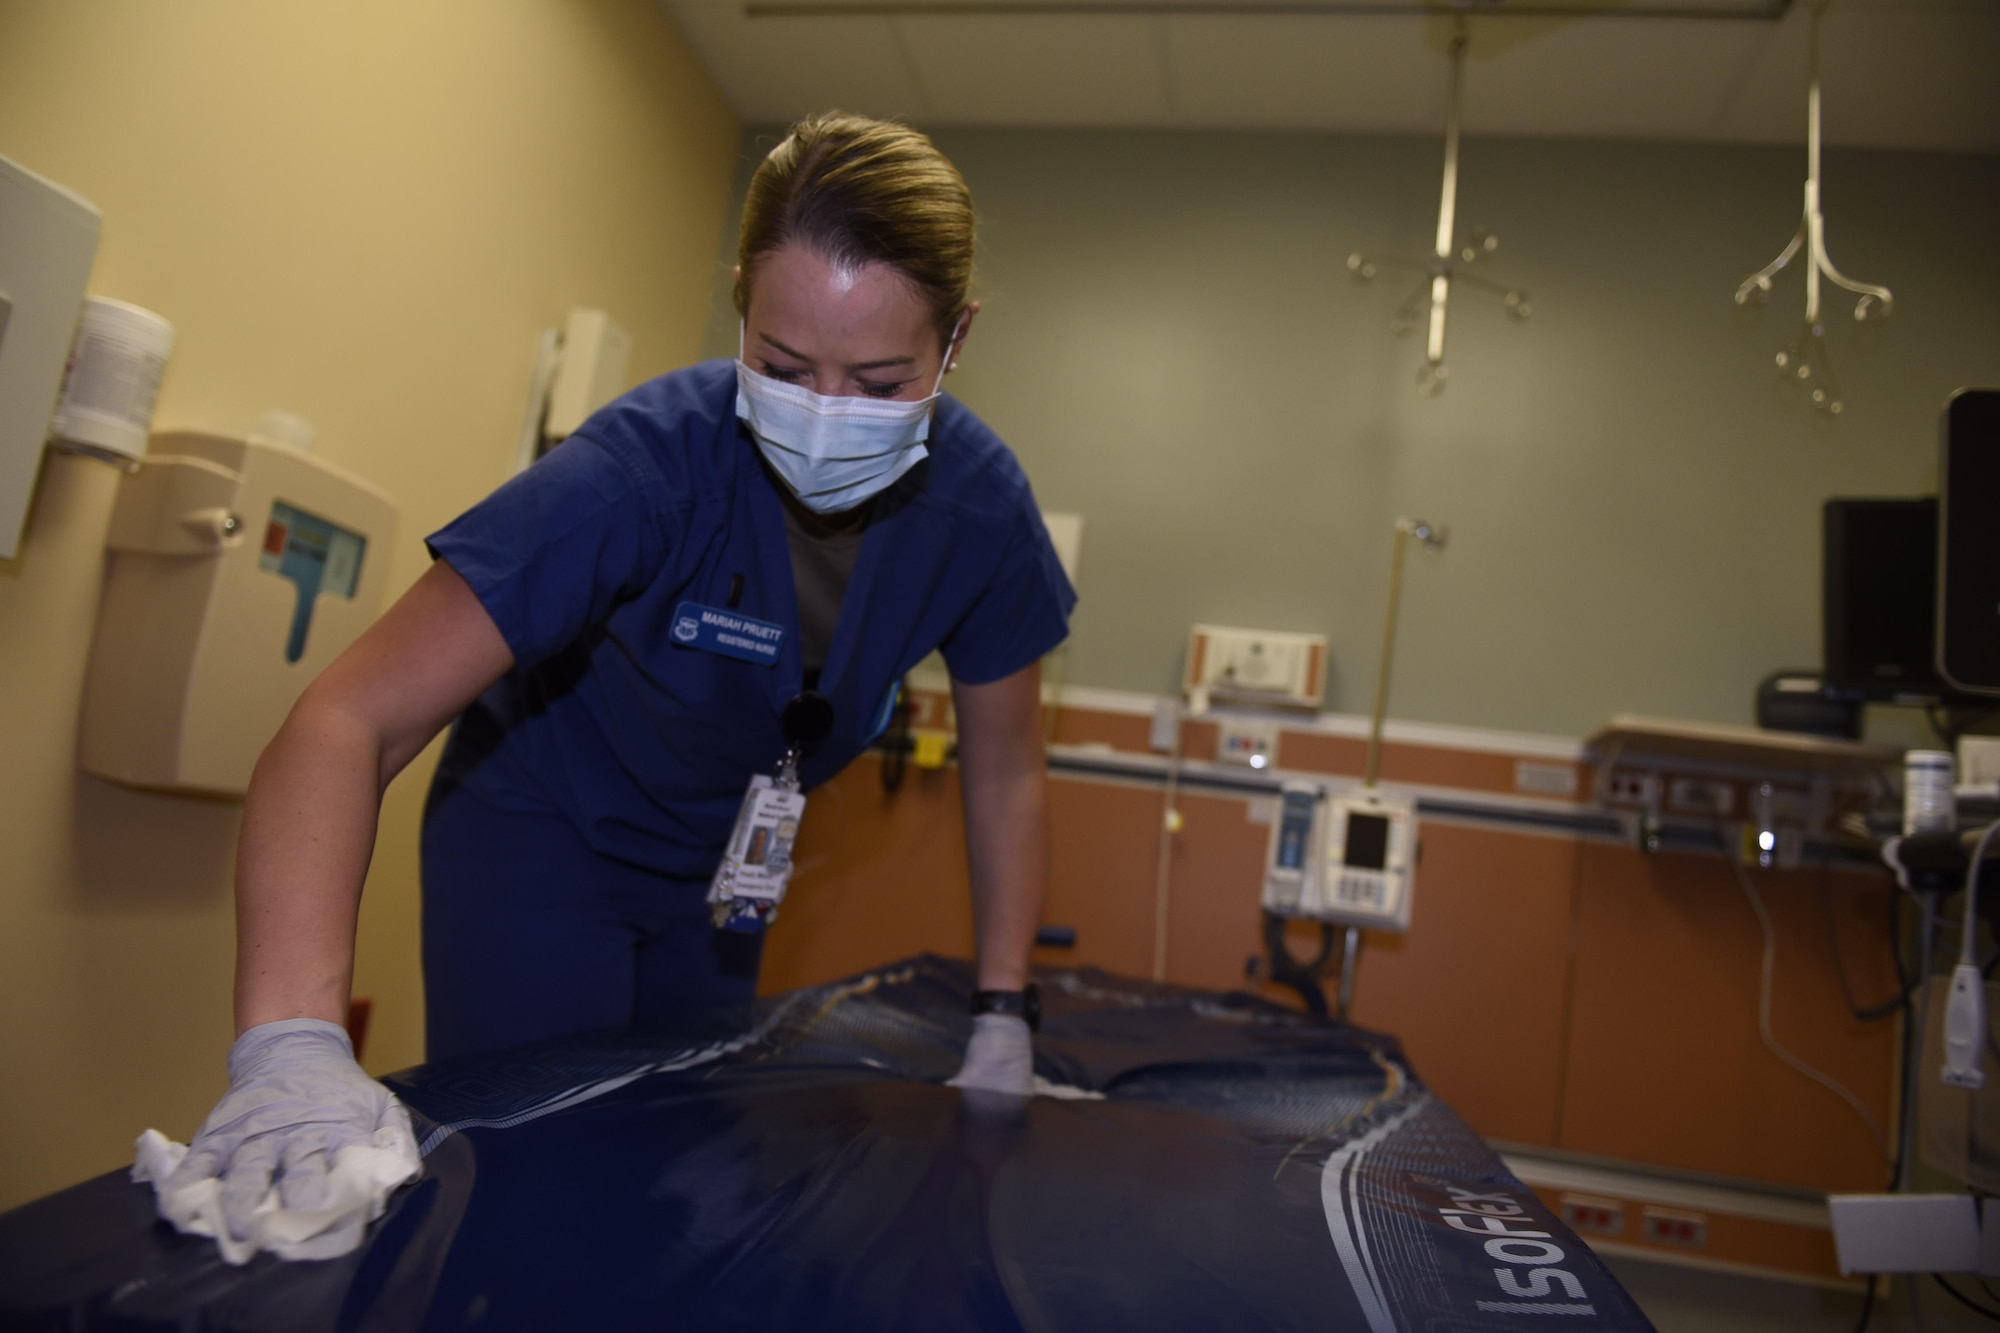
{"x":645,"y":744}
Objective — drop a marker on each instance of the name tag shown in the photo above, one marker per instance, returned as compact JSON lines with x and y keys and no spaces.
{"x":758,"y":861}
{"x":713,"y":629}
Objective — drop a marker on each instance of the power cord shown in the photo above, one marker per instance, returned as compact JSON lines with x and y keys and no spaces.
{"x":1895,"y":1003}
{"x":1964,"y":1299}
{"x":1799,"y":1066}
{"x":1867,"y":1306}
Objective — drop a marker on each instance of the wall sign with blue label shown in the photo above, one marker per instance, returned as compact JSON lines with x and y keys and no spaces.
{"x":318,"y":556}
{"x":713,"y":629}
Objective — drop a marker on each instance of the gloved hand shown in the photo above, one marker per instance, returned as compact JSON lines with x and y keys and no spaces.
{"x":1000,"y":1057}
{"x":298,"y":1157}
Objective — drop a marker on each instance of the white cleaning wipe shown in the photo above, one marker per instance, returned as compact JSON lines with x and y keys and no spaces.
{"x":1068,"y":1092}
{"x":359,"y":1185}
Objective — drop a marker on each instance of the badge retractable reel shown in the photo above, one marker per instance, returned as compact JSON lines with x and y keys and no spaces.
{"x":757,"y":864}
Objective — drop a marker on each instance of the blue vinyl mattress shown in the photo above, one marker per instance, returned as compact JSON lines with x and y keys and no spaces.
{"x":1221,"y":1163}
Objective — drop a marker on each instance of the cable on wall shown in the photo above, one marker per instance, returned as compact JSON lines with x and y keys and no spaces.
{"x":1797,"y":1065}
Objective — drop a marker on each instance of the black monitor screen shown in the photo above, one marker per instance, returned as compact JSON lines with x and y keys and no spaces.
{"x":1969,"y":617}
{"x":1367,"y":846}
{"x":1880,"y":588}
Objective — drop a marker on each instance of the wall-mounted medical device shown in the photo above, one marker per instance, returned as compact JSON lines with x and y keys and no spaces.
{"x":238,"y":569}
{"x":48,"y":238}
{"x":1254,"y":666}
{"x":578,"y":369}
{"x":1345,"y":858}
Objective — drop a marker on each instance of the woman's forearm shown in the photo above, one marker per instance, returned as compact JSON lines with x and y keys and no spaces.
{"x":1004,"y":772}
{"x":309,"y":821}
{"x":1008,"y":844}
{"x":308,"y":832}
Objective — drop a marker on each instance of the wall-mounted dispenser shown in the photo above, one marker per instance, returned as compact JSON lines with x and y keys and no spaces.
{"x":578,"y":369}
{"x":238,"y":570}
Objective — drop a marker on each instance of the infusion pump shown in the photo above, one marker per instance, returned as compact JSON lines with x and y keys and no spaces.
{"x":1346,"y":859}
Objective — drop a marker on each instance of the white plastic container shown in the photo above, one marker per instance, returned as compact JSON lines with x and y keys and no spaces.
{"x":1930,"y":803}
{"x":115,"y":365}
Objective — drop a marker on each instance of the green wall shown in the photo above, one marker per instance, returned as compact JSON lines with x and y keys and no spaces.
{"x":1172,"y":345}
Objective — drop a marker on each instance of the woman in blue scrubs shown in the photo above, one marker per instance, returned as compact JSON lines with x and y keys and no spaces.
{"x":820,"y":498}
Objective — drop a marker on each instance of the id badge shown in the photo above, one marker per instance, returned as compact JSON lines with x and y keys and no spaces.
{"x":758,"y":862}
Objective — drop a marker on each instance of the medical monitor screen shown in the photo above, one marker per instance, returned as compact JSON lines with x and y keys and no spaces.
{"x":1367,"y":846}
{"x":1880,"y":591}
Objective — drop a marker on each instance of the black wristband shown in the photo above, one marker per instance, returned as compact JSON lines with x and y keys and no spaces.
{"x":1024,"y":1004}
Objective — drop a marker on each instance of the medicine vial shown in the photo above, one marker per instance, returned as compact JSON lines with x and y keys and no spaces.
{"x":1929,"y":802}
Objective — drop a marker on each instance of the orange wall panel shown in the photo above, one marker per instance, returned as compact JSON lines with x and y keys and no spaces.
{"x":1475,"y":989}
{"x":879,"y":877}
{"x":1214,"y":923}
{"x":1665,"y":1061}
{"x":1103,"y":874}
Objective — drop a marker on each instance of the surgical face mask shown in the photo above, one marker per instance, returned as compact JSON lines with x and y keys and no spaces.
{"x":834,"y":453}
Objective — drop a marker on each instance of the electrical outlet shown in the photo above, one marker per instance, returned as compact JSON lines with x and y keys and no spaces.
{"x":1252,"y":744}
{"x":1588,"y":1216}
{"x":1695,"y":796}
{"x":1544,"y":779}
{"x":1672,"y":1226}
{"x":1626,"y":788}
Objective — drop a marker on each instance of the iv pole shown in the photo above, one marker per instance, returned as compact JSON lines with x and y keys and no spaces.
{"x":1805,"y":357}
{"x":1442,"y":265}
{"x":1432,"y":538}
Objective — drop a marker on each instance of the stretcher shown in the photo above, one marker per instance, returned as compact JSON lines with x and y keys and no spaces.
{"x":1204,"y":1160}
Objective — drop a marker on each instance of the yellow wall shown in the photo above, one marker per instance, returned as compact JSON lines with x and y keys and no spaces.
{"x":363,"y":212}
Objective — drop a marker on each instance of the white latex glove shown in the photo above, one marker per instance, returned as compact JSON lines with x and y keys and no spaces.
{"x":1000,"y":1057}
{"x":297,"y":1158}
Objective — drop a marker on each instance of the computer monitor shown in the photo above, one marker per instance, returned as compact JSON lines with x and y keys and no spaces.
{"x":1879,"y":589}
{"x":1968,"y":621}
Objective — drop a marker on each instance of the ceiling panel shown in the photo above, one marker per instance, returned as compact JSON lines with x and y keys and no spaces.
{"x":776,"y":70}
{"x":1077,"y":70}
{"x":1897,"y":73}
{"x":1892,"y":76}
{"x":1637,"y":78}
{"x":1366,"y":74}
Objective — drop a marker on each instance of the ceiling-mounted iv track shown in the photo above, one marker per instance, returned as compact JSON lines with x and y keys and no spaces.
{"x":1805,"y":358}
{"x":1447,"y":264}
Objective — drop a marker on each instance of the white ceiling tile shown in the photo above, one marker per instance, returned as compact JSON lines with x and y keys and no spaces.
{"x":1296,"y":72}
{"x":1635,"y":78}
{"x":1901,"y":76}
{"x":1022,"y":70}
{"x":1898,"y":73}
{"x":775,"y":70}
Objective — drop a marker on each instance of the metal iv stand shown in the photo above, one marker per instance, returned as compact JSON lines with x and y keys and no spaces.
{"x":1805,"y":357}
{"x":1442,"y":265}
{"x":1432,"y":538}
